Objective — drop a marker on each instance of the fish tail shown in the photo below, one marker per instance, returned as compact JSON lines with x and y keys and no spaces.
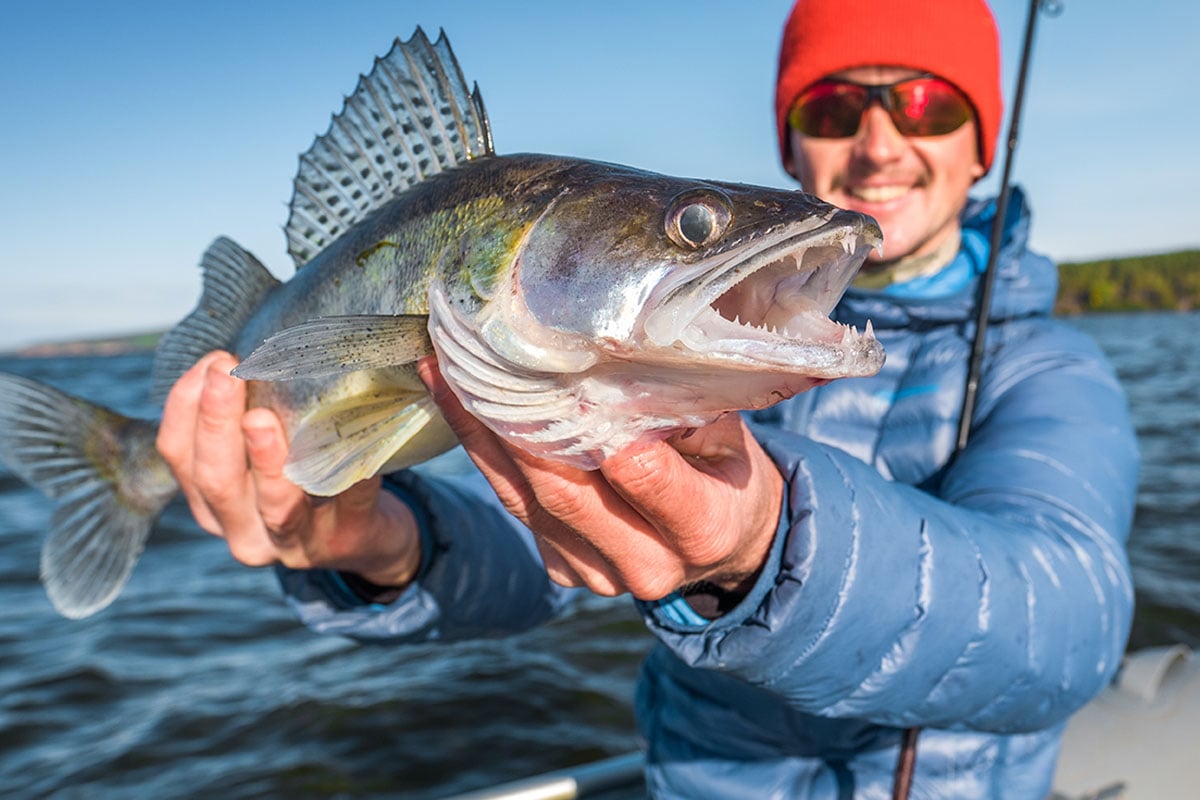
{"x":106,"y":477}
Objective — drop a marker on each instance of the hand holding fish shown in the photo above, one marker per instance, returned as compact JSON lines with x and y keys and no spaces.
{"x":652,"y":519}
{"x":229,"y":464}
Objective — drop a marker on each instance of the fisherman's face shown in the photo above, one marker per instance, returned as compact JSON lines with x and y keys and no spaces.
{"x":914,"y":186}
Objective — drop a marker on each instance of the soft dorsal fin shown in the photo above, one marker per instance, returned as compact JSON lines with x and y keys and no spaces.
{"x":410,"y":118}
{"x":235,"y":283}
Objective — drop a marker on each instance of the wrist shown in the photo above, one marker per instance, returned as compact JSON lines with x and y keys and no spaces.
{"x":740,"y":572}
{"x":397,"y":558}
{"x":724,"y":587}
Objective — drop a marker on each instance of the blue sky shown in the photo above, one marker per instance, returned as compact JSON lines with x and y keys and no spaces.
{"x":133,"y":133}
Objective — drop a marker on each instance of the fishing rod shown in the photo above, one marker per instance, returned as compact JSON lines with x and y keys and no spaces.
{"x":970,"y":396}
{"x":906,"y":762}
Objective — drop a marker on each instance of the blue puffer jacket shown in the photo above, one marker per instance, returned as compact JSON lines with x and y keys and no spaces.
{"x":984,"y":599}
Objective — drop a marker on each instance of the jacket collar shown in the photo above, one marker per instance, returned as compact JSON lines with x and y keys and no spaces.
{"x":1026,"y":283}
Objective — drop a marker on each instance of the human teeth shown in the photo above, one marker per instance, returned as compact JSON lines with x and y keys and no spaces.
{"x":878,"y":194}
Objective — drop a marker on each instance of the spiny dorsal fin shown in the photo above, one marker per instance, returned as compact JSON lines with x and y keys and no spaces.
{"x":235,"y":283}
{"x":410,"y":118}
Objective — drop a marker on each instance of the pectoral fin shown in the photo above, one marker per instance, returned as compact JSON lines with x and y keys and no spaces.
{"x":334,"y":345}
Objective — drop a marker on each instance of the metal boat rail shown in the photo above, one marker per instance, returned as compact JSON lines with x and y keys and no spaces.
{"x":586,"y":780}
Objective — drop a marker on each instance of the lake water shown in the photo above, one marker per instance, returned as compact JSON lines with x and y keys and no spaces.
{"x":197,"y":681}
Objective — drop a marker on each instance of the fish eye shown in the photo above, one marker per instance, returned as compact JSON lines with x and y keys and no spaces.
{"x":697,"y":218}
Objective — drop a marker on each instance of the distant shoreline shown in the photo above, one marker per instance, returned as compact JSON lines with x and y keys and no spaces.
{"x":105,"y":346}
{"x":1164,"y":282}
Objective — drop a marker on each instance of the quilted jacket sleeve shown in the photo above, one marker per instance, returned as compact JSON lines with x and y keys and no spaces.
{"x":480,"y":575}
{"x":1000,"y":602}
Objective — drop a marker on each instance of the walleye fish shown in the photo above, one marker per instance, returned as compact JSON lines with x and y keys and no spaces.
{"x":575,"y":307}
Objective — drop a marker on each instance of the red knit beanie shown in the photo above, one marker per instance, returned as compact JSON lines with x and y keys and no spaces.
{"x":954,"y":39}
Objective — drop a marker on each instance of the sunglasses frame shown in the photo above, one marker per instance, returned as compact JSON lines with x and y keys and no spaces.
{"x":885,"y":95}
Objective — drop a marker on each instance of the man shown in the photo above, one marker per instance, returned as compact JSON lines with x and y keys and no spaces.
{"x":837,"y":573}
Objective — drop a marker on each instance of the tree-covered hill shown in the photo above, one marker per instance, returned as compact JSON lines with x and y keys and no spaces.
{"x":1168,"y":281}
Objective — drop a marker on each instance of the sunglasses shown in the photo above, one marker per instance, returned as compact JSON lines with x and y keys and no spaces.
{"x":923,"y":105}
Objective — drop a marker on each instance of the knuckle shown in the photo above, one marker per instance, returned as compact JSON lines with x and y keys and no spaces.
{"x":707,"y":551}
{"x":250,"y":553}
{"x":645,"y":471}
{"x":293,"y":560}
{"x":169,"y":447}
{"x":283,"y":523}
{"x":564,"y":505}
{"x":518,"y":500}
{"x":705,"y":540}
{"x":654,"y":584}
{"x":214,"y":485}
{"x":221,"y":405}
{"x":605,"y":588}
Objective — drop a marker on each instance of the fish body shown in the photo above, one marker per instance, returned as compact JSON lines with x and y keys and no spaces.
{"x":575,"y":307}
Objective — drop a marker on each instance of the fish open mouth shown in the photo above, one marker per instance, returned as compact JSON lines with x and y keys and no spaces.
{"x":769,"y":302}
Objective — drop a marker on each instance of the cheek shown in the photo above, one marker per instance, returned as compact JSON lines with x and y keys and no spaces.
{"x":954,"y":159}
{"x":816,"y":163}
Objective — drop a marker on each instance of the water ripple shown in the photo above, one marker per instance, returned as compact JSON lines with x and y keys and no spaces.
{"x":199,"y":683}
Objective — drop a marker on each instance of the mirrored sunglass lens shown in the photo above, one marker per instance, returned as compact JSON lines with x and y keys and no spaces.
{"x":828,"y":111}
{"x":928,"y":107}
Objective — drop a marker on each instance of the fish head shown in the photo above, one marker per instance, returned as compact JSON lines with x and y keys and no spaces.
{"x":660,"y":303}
{"x":637,"y":266}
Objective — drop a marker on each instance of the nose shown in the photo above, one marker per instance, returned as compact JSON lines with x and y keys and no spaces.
{"x":878,"y":141}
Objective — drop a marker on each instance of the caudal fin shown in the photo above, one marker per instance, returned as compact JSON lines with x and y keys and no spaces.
{"x":106,"y":477}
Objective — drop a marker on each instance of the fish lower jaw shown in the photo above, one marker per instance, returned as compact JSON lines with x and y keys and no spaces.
{"x":807,"y":343}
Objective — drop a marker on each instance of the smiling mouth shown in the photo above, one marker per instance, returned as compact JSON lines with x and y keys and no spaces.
{"x":878,"y":194}
{"x":772,"y":305}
